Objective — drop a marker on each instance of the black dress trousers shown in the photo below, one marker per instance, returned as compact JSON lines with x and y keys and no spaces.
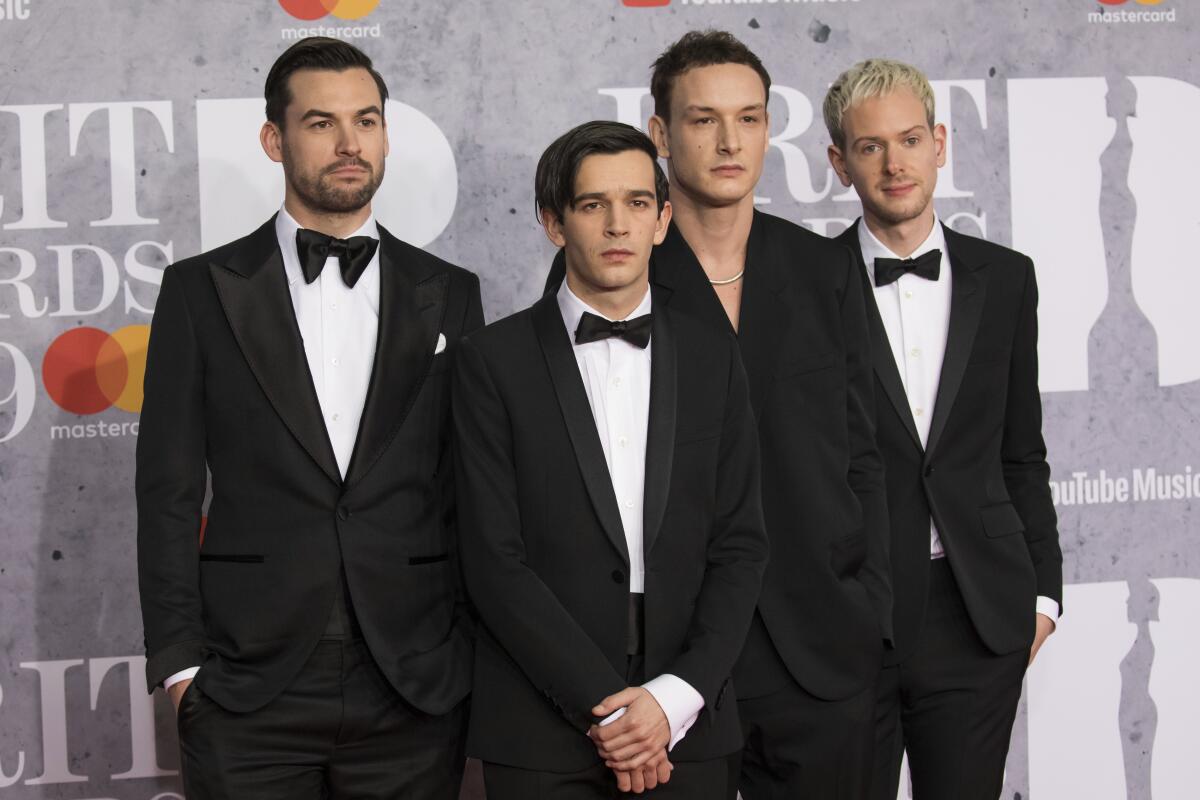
{"x":950,"y":703}
{"x":339,"y":731}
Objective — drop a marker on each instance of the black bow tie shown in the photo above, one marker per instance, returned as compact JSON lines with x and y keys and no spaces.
{"x":927,"y":265}
{"x":593,"y":328}
{"x":353,"y":254}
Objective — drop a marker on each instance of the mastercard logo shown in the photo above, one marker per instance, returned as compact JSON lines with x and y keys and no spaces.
{"x":87,"y":370}
{"x":316,"y":9}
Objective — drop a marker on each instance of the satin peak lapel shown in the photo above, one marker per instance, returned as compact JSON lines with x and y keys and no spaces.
{"x":253,"y":291}
{"x":967,"y":295}
{"x":577,"y":414}
{"x":660,"y":432}
{"x":881,"y":347}
{"x":412,"y":306}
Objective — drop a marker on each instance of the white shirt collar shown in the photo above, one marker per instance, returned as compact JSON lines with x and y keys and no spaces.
{"x":872,"y":248}
{"x":285,"y":231}
{"x":572,"y":308}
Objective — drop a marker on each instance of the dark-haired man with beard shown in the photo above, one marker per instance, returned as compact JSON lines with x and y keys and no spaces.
{"x":313,"y":641}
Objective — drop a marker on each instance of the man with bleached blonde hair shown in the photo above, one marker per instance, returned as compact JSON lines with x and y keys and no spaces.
{"x":976,"y":564}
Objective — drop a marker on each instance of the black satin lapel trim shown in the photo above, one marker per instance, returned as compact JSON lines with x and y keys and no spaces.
{"x":260,"y":313}
{"x":410,"y":319}
{"x":660,"y":432}
{"x":764,"y":315}
{"x":966,"y":308}
{"x":881,"y":348}
{"x":577,"y":414}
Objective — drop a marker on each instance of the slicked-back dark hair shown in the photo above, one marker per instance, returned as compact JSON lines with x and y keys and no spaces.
{"x":314,"y":52}
{"x":554,"y":183}
{"x":700,"y":49}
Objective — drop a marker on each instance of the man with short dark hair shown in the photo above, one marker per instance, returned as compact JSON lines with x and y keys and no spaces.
{"x":611,"y":532}
{"x":793,"y":299}
{"x":976,"y":563}
{"x":313,"y":639}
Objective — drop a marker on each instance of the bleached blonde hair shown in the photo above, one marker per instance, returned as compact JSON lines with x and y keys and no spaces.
{"x":874,"y":77}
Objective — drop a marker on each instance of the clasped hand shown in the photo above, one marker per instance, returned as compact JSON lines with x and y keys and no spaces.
{"x":634,"y":746}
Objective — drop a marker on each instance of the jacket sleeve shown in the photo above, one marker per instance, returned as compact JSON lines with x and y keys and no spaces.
{"x":865,"y":476}
{"x":737,"y":550}
{"x":1023,"y":450}
{"x":170,"y":485}
{"x":524,"y":615}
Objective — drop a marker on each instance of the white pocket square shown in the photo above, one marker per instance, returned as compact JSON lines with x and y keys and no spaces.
{"x":441,"y":345}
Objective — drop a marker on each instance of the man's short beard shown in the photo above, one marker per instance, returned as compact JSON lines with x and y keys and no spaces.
{"x":901,"y":216}
{"x":320,"y":195}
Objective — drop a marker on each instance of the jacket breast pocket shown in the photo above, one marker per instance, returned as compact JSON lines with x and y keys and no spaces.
{"x":697,"y":433}
{"x":806,"y":363}
{"x":1001,"y":519}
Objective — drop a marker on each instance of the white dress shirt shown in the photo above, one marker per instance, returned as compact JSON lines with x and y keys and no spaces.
{"x":916,"y":316}
{"x":616,"y":378}
{"x":339,"y":326}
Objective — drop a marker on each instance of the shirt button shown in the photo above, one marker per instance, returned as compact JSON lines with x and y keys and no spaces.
{"x":916,"y":352}
{"x":617,"y":381}
{"x":336,"y":417}
{"x":918,"y":411}
{"x":629,"y":504}
{"x":333,"y":306}
{"x":623,"y":441}
{"x":908,"y":295}
{"x":336,"y":361}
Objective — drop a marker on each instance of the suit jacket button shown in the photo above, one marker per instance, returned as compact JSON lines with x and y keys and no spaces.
{"x":343,"y":513}
{"x":928,"y":470}
{"x":618,"y":576}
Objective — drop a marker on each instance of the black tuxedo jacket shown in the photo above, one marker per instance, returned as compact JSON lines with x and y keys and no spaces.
{"x":227,"y":383}
{"x":826,"y":602}
{"x":544,"y":552}
{"x":983,"y":477}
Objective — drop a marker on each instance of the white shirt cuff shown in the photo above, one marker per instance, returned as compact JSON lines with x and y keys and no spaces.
{"x":183,"y":675}
{"x":679,"y":701}
{"x":1049,"y":607}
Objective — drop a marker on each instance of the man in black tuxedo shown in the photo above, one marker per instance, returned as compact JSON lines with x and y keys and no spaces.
{"x":976,"y":565}
{"x":611,"y":532}
{"x":806,"y":678}
{"x":313,"y":639}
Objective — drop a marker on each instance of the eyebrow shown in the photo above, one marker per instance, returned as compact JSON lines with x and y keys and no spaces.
{"x":604,"y":196}
{"x":362,"y":112}
{"x":710,"y":109}
{"x":861,"y":139}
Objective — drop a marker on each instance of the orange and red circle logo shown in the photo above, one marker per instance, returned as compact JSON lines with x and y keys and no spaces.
{"x":87,"y":370}
{"x":315,"y":9}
